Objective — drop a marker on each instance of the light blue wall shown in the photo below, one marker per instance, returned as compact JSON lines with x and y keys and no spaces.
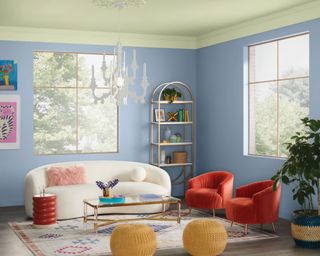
{"x":163,"y":65}
{"x":220,"y":115}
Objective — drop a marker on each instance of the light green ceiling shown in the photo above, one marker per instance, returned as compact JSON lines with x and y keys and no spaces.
{"x":190,"y":18}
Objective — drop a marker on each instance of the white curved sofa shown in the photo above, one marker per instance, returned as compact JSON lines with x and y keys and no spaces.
{"x":70,"y":197}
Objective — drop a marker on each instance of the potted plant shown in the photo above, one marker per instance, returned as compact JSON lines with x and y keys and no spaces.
{"x":170,"y":94}
{"x":302,"y":169}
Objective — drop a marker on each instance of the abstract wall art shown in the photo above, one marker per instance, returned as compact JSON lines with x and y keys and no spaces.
{"x":9,"y":121}
{"x":8,"y":75}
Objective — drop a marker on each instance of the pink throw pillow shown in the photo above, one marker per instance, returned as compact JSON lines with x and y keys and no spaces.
{"x":59,"y":176}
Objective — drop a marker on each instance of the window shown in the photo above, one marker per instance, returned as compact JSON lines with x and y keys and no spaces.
{"x":66,"y":120}
{"x":278,"y":93}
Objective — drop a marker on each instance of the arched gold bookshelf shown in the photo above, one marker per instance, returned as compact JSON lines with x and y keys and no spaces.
{"x":182,"y":171}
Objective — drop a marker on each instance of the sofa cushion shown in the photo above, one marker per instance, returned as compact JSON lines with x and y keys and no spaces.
{"x":71,"y":175}
{"x":138,"y":174}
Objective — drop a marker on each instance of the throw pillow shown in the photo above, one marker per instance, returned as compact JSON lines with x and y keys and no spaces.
{"x":138,"y":174}
{"x":71,"y":175}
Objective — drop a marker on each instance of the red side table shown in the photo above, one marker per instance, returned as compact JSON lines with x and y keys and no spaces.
{"x":44,"y":210}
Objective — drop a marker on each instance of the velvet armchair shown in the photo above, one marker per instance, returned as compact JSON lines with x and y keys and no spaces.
{"x":255,"y":203}
{"x":210,"y":190}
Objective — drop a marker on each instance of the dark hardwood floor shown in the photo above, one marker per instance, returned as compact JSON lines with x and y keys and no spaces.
{"x":10,"y":245}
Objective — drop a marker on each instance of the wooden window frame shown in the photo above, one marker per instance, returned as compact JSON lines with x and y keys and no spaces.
{"x":277,"y":81}
{"x":76,"y":88}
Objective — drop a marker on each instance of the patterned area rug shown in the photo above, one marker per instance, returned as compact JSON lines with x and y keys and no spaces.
{"x":73,"y":237}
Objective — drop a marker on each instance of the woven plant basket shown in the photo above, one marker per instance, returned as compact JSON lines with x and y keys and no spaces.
{"x":305,"y":231}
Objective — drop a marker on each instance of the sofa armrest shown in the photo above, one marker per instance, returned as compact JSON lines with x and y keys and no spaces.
{"x":35,"y":181}
{"x":158,"y":176}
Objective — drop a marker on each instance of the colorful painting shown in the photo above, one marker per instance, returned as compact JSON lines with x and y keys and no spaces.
{"x":8,"y":75}
{"x":9,"y":122}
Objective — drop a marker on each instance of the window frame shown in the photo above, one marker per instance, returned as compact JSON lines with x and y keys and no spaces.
{"x":249,"y":84}
{"x":76,"y":87}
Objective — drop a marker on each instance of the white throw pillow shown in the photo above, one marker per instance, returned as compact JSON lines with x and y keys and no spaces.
{"x":138,"y":174}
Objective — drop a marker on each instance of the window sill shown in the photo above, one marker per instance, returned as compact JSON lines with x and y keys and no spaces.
{"x":266,"y":157}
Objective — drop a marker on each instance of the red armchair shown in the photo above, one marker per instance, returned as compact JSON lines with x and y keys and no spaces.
{"x":255,"y":203}
{"x":210,"y":190}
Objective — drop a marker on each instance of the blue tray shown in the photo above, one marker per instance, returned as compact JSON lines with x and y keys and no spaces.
{"x":111,"y":200}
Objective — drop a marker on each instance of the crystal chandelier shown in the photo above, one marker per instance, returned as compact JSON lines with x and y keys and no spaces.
{"x":116,"y":75}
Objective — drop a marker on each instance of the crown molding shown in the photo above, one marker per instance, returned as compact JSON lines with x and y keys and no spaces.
{"x":284,"y":18}
{"x":92,"y":37}
{"x":280,"y":19}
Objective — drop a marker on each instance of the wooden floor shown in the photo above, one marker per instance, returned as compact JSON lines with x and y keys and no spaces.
{"x":10,"y":245}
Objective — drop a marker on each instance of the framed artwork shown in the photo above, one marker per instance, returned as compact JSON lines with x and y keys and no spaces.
{"x":8,"y":75}
{"x":9,"y":121}
{"x":159,"y":114}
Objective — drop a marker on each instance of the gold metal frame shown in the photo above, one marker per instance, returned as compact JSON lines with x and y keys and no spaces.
{"x":277,"y":81}
{"x":156,"y":103}
{"x":76,"y":87}
{"x":157,"y":216}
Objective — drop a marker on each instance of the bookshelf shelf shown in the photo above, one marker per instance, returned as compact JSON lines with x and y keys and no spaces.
{"x":171,"y":123}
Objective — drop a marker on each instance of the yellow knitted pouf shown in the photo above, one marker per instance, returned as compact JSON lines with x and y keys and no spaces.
{"x":133,"y":240}
{"x":205,"y":237}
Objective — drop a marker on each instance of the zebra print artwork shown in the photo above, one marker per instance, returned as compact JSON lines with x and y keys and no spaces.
{"x":6,"y":121}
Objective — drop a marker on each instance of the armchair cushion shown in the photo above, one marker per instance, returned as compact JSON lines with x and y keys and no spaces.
{"x":206,"y":198}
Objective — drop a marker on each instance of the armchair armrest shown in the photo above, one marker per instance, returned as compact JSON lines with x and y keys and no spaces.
{"x":250,"y":189}
{"x":199,"y":181}
{"x":225,"y":189}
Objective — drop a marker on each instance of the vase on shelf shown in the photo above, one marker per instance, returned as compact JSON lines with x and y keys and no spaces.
{"x":163,"y":156}
{"x":167,"y":133}
{"x":106,"y":192}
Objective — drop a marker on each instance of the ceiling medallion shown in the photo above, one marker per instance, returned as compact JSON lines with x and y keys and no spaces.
{"x":119,"y":4}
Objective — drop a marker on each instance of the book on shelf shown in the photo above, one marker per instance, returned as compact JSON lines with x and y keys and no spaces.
{"x":186,"y":116}
{"x":180,"y":115}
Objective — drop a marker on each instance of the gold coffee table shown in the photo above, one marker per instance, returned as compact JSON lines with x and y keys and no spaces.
{"x":130,"y":200}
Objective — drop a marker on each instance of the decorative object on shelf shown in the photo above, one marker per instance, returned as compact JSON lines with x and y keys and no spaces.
{"x":179,"y":157}
{"x":181,"y":115}
{"x":163,"y":156}
{"x":116,"y":76}
{"x":168,"y":159}
{"x":9,"y":121}
{"x":173,"y":116}
{"x":178,"y":135}
{"x":173,"y":138}
{"x":8,"y":75}
{"x":302,"y":169}
{"x":186,"y":116}
{"x":167,"y":133}
{"x":159,"y":115}
{"x":171,"y":94}
{"x":105,"y":187}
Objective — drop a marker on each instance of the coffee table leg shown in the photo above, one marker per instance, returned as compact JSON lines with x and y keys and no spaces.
{"x":163,"y":209}
{"x":179,"y":213}
{"x":96,"y":225}
{"x":85,"y":213}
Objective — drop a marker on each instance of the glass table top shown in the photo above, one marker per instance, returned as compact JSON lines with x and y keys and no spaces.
{"x":130,"y":200}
